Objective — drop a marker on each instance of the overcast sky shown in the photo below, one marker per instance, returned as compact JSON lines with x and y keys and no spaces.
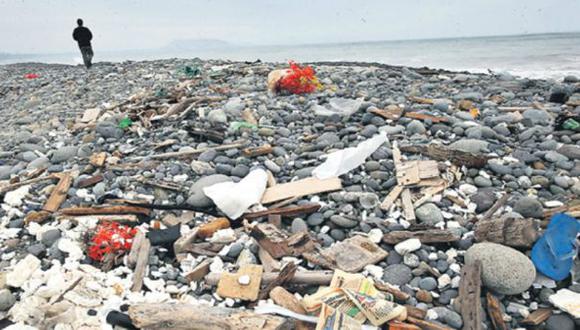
{"x":40,"y":26}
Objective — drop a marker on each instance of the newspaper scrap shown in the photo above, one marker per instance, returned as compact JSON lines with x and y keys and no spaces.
{"x":331,"y":319}
{"x":378,"y":311}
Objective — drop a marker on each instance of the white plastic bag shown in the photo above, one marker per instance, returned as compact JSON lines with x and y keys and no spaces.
{"x":235,"y":198}
{"x":345,"y":160}
{"x":340,"y":106}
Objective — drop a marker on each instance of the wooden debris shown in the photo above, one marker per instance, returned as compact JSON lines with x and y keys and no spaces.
{"x":275,"y":220}
{"x":469,"y":296}
{"x":495,"y":313}
{"x":282,"y":297}
{"x":165,"y":144}
{"x":286,"y":274}
{"x":398,"y":325}
{"x":187,"y":317}
{"x":98,"y":159}
{"x":163,"y":184}
{"x":199,"y":271}
{"x":390,"y":114}
{"x":188,"y":153}
{"x":248,"y":117}
{"x":59,"y":193}
{"x":207,"y":135}
{"x":350,"y":255}
{"x":415,"y":312}
{"x":36,"y":216}
{"x":141,"y":265}
{"x":508,"y":230}
{"x":496,"y":206}
{"x":398,"y":294}
{"x":278,"y":243}
{"x":72,"y":285}
{"x":16,"y":185}
{"x":572,"y":208}
{"x":90,"y":115}
{"x":425,"y":236}
{"x":138,"y":240}
{"x":537,"y":317}
{"x":100,"y":218}
{"x":257,"y":151}
{"x":421,"y":100}
{"x":423,"y":116}
{"x":208,"y":229}
{"x":229,"y":285}
{"x":106,"y":209}
{"x":300,"y":188}
{"x":90,"y":181}
{"x":391,"y":198}
{"x":408,"y":208}
{"x":286,"y":211}
{"x":426,"y":325}
{"x":442,"y":153}
{"x":310,"y":277}
{"x":268,"y":262}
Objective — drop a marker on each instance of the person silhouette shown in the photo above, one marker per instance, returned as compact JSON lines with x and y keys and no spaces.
{"x":83,"y":36}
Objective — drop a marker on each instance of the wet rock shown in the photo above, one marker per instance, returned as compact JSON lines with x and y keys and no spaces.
{"x":397,"y":274}
{"x":529,"y":207}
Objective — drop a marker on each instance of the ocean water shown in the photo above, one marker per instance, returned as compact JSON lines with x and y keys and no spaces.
{"x":550,"y":56}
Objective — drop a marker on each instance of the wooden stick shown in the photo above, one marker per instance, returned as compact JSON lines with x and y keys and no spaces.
{"x":286,"y":274}
{"x":106,"y":209}
{"x":257,"y":151}
{"x":469,"y":296}
{"x":398,"y":294}
{"x":286,"y":211}
{"x":495,"y":313}
{"x":141,"y":265}
{"x":199,"y":271}
{"x":198,"y":151}
{"x":442,"y":153}
{"x":312,"y":277}
{"x":425,"y":236}
{"x":59,"y":193}
{"x":90,"y":181}
{"x":422,"y":116}
{"x":17,"y":185}
{"x":300,"y":188}
{"x":496,"y":206}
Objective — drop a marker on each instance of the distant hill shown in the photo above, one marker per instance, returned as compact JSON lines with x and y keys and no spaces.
{"x":196,"y":44}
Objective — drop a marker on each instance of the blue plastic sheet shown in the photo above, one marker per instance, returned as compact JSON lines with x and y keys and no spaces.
{"x":553,"y":254}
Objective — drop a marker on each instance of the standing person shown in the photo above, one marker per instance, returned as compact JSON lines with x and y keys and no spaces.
{"x":84,"y":36}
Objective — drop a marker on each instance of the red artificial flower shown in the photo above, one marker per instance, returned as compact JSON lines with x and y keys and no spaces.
{"x":110,"y":237}
{"x":31,"y":76}
{"x":299,"y":80}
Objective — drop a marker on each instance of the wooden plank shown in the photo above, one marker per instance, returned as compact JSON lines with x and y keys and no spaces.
{"x":188,"y":153}
{"x":90,"y":181}
{"x":199,"y":271}
{"x":422,"y":116}
{"x":59,"y":193}
{"x":391,"y":198}
{"x":98,"y":159}
{"x":408,"y":173}
{"x":537,"y":317}
{"x":495,"y":313}
{"x":286,"y":274}
{"x":285,"y":211}
{"x":408,"y":209}
{"x":469,"y":296}
{"x":520,"y":233}
{"x":282,"y":297}
{"x":229,"y":285}
{"x":428,"y":193}
{"x":182,"y":316}
{"x":390,"y":114}
{"x":425,"y":236}
{"x":310,"y":277}
{"x":106,"y":209}
{"x":428,"y":169}
{"x":257,"y":151}
{"x":300,"y":188}
{"x":141,"y":265}
{"x":138,"y":240}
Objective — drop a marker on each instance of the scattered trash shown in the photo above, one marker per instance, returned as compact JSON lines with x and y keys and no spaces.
{"x":110,"y":239}
{"x":342,"y":107}
{"x":295,"y":80}
{"x":553,"y":254}
{"x":237,"y":125}
{"x":125,"y":123}
{"x":567,"y":301}
{"x":31,"y":76}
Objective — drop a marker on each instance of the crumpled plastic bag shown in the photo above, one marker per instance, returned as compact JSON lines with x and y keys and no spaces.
{"x":345,"y":160}
{"x":340,"y":106}
{"x":235,"y":198}
{"x":553,"y":254}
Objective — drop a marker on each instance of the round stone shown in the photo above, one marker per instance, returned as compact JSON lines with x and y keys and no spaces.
{"x":397,"y":274}
{"x":529,"y":207}
{"x":560,"y":322}
{"x":428,"y":283}
{"x":504,"y":270}
{"x":429,"y":214}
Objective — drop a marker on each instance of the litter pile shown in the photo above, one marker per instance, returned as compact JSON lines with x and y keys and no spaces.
{"x":189,"y":194}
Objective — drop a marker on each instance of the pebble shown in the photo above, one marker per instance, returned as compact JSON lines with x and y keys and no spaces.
{"x":407,"y":246}
{"x":428,"y":283}
{"x":529,"y":207}
{"x":298,"y":225}
{"x":7,"y":300}
{"x":560,"y":322}
{"x":397,"y":274}
{"x":429,"y":214}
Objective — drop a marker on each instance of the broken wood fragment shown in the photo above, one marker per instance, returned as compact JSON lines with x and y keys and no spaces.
{"x":187,"y":317}
{"x":98,"y":159}
{"x":138,"y":240}
{"x":398,"y":294}
{"x":106,"y":209}
{"x":59,"y":193}
{"x":208,"y":229}
{"x":285,"y":211}
{"x":496,"y":206}
{"x":163,"y":184}
{"x":425,"y":236}
{"x":207,"y":135}
{"x":188,"y":153}
{"x":423,"y":116}
{"x":421,"y":100}
{"x":90,"y":181}
{"x":257,"y":151}
{"x":100,"y":218}
{"x":268,"y":262}
{"x":391,"y":198}
{"x":390,"y":114}
{"x":300,"y":188}
{"x":199,"y":271}
{"x":286,"y":274}
{"x":427,"y":325}
{"x":141,"y":265}
{"x":248,"y":117}
{"x":36,"y":216}
{"x":415,"y":312}
{"x":16,"y":185}
{"x":398,"y":325}
{"x":282,"y":297}
{"x":310,"y":277}
{"x":507,"y":230}
{"x":244,"y":285}
{"x":495,"y":313}
{"x":442,"y":153}
{"x":408,"y":208}
{"x":469,"y":296}
{"x":278,"y":243}
{"x":537,"y":317}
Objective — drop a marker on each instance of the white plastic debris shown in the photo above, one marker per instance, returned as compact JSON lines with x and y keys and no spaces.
{"x":339,"y":106}
{"x":15,"y":197}
{"x":235,"y":198}
{"x":345,"y":160}
{"x":244,"y":280}
{"x":72,"y":248}
{"x":568,"y":301}
{"x":407,"y":246}
{"x":22,"y":271}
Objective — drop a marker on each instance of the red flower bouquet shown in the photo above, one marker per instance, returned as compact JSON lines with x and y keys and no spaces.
{"x":299,"y":80}
{"x":110,"y":237}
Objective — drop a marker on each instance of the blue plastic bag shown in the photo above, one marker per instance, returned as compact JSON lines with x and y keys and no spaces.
{"x":553,"y":254}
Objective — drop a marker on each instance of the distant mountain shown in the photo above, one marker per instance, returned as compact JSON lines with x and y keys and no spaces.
{"x":197,"y":44}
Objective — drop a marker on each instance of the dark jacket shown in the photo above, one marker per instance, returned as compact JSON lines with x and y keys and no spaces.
{"x":83,"y":36}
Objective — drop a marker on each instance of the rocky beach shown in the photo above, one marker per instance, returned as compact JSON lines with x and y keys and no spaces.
{"x":438,"y":184}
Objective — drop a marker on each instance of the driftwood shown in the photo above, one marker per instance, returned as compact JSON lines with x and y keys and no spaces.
{"x":391,"y":114}
{"x":107,"y":209}
{"x":300,"y":188}
{"x":537,"y":317}
{"x":398,"y":294}
{"x":230,"y":285}
{"x":422,"y":116}
{"x":208,"y":229}
{"x":286,"y":274}
{"x":207,"y":135}
{"x":282,"y":297}
{"x":495,"y":314}
{"x":425,"y":236}
{"x":141,"y":265}
{"x":415,"y":312}
{"x":98,"y":159}
{"x":286,"y":211}
{"x":199,"y":271}
{"x":278,"y":243}
{"x":442,"y":153}
{"x":469,"y":296}
{"x":572,"y":208}
{"x":188,"y":153}
{"x":270,"y":264}
{"x":257,"y":151}
{"x":509,"y":231}
{"x":188,"y":317}
{"x":312,"y":277}
{"x":17,"y":185}
{"x":90,"y":181}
